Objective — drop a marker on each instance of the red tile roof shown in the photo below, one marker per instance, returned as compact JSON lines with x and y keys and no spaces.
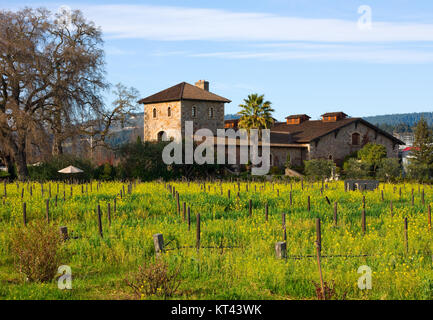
{"x":183,"y":91}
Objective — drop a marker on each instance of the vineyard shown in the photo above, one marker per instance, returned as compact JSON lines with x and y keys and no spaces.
{"x":221,"y":239}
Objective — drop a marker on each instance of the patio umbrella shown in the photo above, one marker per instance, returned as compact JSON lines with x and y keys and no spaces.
{"x":70,"y":169}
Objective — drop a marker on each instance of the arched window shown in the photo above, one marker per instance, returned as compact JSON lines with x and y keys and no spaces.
{"x":154,"y":112}
{"x":210,"y":112}
{"x":169,"y":111}
{"x":194,"y":111}
{"x":355,"y":139}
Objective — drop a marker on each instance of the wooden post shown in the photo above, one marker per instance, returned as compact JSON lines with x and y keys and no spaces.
{"x":25,"y":213}
{"x":64,"y":233}
{"x":281,"y":250}
{"x":198,"y":232}
{"x":284,"y":226}
{"x":5,"y":189}
{"x":382,"y":194}
{"x":363,"y":202}
{"x":335,"y":213}
{"x":363,"y":221}
{"x":406,"y":242}
{"x":291,"y":198}
{"x":47,"y":206}
{"x":22,"y":193}
{"x":100,"y":221}
{"x":266,"y":211}
{"x":308,"y":204}
{"x":318,"y":236}
{"x":391,"y":208}
{"x":184,"y":211}
{"x":115,"y":205}
{"x":189,"y":218}
{"x":228,"y":193}
{"x":250,"y":207}
{"x":319,"y":265}
{"x":429,"y":217}
{"x":178,"y":203}
{"x":422,"y":197}
{"x":158,"y":242}
{"x":109,"y":213}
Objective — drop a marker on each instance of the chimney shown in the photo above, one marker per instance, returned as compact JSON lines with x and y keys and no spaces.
{"x":202,"y":84}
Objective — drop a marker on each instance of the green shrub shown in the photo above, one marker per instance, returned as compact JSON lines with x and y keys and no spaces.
{"x":319,"y":168}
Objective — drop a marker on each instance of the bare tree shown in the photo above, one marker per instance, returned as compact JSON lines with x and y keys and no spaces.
{"x":50,"y":76}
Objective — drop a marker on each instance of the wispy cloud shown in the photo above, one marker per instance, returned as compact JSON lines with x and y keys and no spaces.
{"x":178,"y":24}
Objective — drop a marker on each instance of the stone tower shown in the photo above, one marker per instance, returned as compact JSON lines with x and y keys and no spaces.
{"x":165,"y":112}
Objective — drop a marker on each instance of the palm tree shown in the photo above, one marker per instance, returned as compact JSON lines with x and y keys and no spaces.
{"x":256,"y":113}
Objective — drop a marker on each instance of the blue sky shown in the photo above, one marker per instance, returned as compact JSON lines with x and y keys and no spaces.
{"x":306,"y":56}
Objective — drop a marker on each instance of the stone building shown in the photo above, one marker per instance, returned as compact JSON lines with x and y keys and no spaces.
{"x":165,"y":112}
{"x":332,"y":137}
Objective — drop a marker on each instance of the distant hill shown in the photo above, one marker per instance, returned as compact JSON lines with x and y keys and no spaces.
{"x":231,"y":116}
{"x":408,"y":118}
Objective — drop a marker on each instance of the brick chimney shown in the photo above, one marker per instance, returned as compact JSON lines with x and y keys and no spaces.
{"x":202,"y":84}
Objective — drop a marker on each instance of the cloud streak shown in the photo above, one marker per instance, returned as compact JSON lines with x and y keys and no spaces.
{"x":181,"y":24}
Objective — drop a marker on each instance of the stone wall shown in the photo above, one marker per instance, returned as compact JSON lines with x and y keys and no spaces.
{"x":171,"y":125}
{"x":202,"y":118}
{"x":336,"y":147}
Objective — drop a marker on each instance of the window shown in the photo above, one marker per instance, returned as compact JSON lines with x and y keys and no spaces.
{"x":355,"y":139}
{"x":210,"y":112}
{"x":169,"y":111}
{"x":154,"y":112}
{"x":194,"y":112}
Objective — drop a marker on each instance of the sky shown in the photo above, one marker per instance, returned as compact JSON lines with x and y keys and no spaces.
{"x":365,"y":58}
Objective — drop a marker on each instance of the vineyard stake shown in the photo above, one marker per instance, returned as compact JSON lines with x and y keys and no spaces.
{"x":64,"y":233}
{"x":335,"y":213}
{"x":391,"y":208}
{"x":47,"y":202}
{"x":109,"y":213}
{"x":281,"y":250}
{"x":25,"y":213}
{"x":184,"y":211}
{"x":250,"y":207}
{"x":198,"y":232}
{"x":429,"y":217}
{"x":158,"y":242}
{"x":363,"y":221}
{"x":266,"y":211}
{"x":100,"y":221}
{"x":308,"y":203}
{"x":406,"y":236}
{"x":318,"y":236}
{"x":284,"y":226}
{"x":319,"y":265}
{"x":189,"y":218}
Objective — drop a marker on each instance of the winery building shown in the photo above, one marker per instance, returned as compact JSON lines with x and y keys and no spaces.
{"x":333,"y":137}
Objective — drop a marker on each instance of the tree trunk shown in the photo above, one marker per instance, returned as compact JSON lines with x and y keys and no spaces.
{"x":21,"y":163}
{"x":57,"y":148}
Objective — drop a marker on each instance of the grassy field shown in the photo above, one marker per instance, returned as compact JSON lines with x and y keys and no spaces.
{"x":246,"y":267}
